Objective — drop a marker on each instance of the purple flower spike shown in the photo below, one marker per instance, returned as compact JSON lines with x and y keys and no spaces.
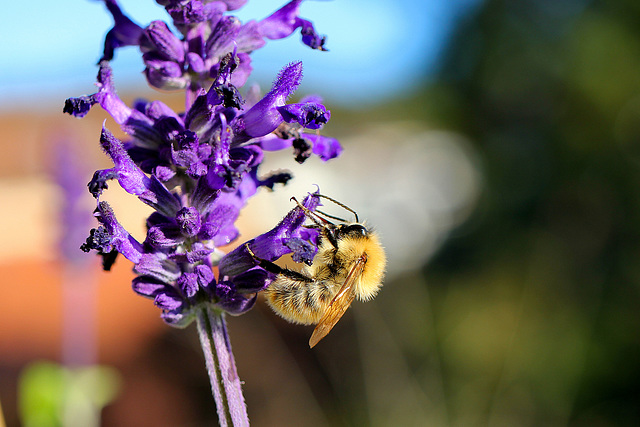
{"x":199,"y":167}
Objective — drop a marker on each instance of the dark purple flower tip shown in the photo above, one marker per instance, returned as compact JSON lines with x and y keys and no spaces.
{"x":79,"y":107}
{"x":270,"y":245}
{"x":108,"y":100}
{"x":159,"y":39}
{"x":273,"y":178}
{"x":99,"y":240}
{"x":231,"y":173}
{"x":189,"y":221}
{"x":229,"y":96}
{"x":125,"y":32}
{"x":231,"y":301}
{"x":310,"y":37}
{"x":188,"y":284}
{"x":309,"y":115}
{"x":120,"y":238}
{"x":302,"y":149}
{"x":264,"y":117}
{"x":99,"y":181}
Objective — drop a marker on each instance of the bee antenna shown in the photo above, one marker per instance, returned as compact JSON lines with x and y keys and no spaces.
{"x":330,"y":216}
{"x":342,"y":205}
{"x":311,"y":215}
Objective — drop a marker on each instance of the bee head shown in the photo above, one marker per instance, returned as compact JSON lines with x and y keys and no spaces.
{"x":352,"y":230}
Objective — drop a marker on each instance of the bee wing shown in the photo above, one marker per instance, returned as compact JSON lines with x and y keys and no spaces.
{"x":340,"y":303}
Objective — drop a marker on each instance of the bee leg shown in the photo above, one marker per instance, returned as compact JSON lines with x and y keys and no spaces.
{"x":276,"y":269}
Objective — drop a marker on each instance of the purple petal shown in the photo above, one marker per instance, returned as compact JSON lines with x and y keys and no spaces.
{"x":160,"y":40}
{"x":234,"y":4}
{"x":254,"y":280}
{"x":231,"y":301}
{"x":157,"y":265}
{"x":189,"y":221}
{"x":285,"y":21}
{"x":129,"y":175}
{"x":264,"y":117}
{"x":169,"y":299}
{"x":249,"y":37}
{"x":270,"y":245}
{"x":164,"y":74}
{"x":223,"y":37}
{"x":206,"y":278}
{"x":133,"y":180}
{"x":148,"y":286}
{"x":323,"y":146}
{"x":243,"y":71}
{"x":188,"y":284}
{"x":164,"y":236}
{"x":125,"y":32}
{"x":282,"y":22}
{"x":272,"y":142}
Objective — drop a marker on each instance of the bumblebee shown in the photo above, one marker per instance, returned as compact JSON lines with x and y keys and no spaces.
{"x":350,"y":263}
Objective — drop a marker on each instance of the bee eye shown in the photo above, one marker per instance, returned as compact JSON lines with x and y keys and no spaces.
{"x":355,"y":230}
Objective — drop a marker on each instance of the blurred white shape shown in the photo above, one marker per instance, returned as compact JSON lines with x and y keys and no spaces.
{"x":413,"y":185}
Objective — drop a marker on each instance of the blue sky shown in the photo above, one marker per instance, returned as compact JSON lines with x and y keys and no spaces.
{"x":376,"y":48}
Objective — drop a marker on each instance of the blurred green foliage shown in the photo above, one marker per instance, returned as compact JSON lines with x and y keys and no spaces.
{"x":52,"y":395}
{"x":536,"y":299}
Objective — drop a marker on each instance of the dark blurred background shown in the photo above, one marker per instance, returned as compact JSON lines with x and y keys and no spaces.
{"x":516,"y":300}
